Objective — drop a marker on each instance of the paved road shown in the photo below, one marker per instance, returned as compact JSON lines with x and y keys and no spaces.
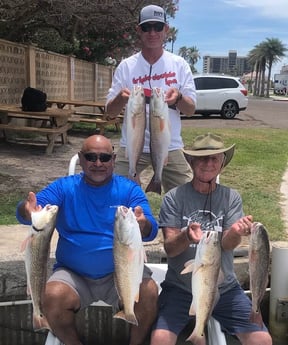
{"x":265,"y":113}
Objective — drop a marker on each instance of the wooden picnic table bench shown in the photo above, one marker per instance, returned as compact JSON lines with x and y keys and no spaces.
{"x":100,"y":120}
{"x":53,"y":123}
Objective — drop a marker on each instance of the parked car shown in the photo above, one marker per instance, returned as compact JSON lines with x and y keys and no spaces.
{"x":217,"y":94}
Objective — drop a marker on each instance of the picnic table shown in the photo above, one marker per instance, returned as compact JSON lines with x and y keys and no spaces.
{"x":50,"y":123}
{"x":100,"y":118}
{"x":61,"y":103}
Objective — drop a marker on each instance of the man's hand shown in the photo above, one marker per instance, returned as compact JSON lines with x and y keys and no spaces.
{"x":194,"y":232}
{"x":144,"y":224}
{"x":243,"y":226}
{"x":171,"y":96}
{"x":29,"y":205}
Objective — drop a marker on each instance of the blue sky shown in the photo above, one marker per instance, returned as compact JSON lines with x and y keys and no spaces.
{"x":217,"y":26}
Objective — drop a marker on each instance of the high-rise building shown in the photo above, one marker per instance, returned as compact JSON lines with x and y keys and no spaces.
{"x":232,"y":64}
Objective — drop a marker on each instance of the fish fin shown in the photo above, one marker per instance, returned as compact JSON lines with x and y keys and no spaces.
{"x":131,"y":318}
{"x":165,"y":161}
{"x":136,"y":299}
{"x":162,"y":124}
{"x":135,"y":178}
{"x":145,"y":256}
{"x":256,"y":317}
{"x":195,"y":338}
{"x":40,"y":322}
{"x":192,"y":310}
{"x":221,"y":278}
{"x":188,"y":268}
{"x":25,"y":242}
{"x":153,"y":186}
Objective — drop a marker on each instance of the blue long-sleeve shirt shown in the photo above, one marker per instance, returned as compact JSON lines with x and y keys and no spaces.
{"x":85,"y":220}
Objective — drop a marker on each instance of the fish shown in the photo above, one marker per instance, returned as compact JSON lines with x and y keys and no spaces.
{"x":129,"y":257}
{"x":206,"y":274}
{"x":37,"y":251}
{"x":136,"y":124}
{"x":160,"y":137}
{"x":259,"y":261}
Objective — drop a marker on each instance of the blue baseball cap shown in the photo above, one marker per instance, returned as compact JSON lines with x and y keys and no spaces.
{"x":152,"y":13}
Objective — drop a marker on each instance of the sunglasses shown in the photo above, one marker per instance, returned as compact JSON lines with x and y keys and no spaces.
{"x":93,"y":157}
{"x":158,"y":27}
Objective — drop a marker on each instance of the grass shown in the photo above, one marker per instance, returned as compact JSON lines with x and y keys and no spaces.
{"x":256,"y":171}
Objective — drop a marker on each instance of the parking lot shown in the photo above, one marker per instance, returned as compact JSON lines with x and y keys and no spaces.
{"x":261,"y":112}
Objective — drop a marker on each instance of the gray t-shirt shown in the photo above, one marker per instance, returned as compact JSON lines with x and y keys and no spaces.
{"x":217,"y":210}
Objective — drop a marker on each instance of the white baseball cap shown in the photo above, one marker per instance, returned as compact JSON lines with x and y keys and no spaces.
{"x":152,"y":13}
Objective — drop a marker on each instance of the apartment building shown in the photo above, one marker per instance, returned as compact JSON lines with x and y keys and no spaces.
{"x":232,"y":64}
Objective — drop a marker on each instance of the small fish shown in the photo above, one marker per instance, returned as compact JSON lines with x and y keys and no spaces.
{"x":160,"y":137}
{"x":136,"y":123}
{"x":259,"y":260}
{"x":36,"y":259}
{"x":205,"y":281}
{"x":129,"y":260}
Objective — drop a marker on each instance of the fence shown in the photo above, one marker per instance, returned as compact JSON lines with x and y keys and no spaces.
{"x":60,"y":76}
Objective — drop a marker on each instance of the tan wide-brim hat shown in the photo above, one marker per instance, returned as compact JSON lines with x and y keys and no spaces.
{"x":210,"y":144}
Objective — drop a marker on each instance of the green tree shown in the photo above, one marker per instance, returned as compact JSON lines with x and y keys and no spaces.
{"x":263,"y":55}
{"x":274,"y":50}
{"x":172,"y":36}
{"x":191,"y":55}
{"x":89,"y":29}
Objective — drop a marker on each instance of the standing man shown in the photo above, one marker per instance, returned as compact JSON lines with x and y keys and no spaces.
{"x":155,"y":67}
{"x":84,"y":267}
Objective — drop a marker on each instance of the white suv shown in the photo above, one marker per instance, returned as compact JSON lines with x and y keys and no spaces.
{"x":217,"y":94}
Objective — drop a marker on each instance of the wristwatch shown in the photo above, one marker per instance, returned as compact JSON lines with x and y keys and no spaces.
{"x":179,"y":97}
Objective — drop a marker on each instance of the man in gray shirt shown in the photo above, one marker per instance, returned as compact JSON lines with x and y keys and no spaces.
{"x":186,"y":211}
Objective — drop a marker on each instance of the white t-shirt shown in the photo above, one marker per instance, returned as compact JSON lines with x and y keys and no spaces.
{"x":169,"y":71}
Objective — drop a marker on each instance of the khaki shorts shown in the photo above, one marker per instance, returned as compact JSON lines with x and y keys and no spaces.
{"x":175,"y":173}
{"x":92,"y":290}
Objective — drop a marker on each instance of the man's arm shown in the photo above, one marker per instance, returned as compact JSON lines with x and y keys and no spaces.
{"x":232,"y":236}
{"x":177,"y":241}
{"x":115,"y":106}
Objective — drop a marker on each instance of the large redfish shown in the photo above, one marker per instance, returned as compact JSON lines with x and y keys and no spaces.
{"x":160,"y":137}
{"x":205,"y":280}
{"x":136,"y":123}
{"x":36,"y":259}
{"x":129,"y":261}
{"x":259,"y":260}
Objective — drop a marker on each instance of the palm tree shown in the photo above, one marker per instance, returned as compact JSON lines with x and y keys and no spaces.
{"x":191,"y":55}
{"x":254,"y":58}
{"x":264,"y":55}
{"x":274,"y":50}
{"x":171,"y":37}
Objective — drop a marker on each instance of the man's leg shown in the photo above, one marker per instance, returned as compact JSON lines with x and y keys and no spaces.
{"x":60,"y":305}
{"x":233,"y":312}
{"x":145,"y":311}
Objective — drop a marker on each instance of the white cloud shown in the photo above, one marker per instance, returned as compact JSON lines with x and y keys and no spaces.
{"x":268,"y":8}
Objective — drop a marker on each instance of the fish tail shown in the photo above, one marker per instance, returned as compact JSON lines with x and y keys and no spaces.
{"x":134,"y":177}
{"x":195,"y":338}
{"x":40,"y":322}
{"x":153,"y":186}
{"x":131,"y":318}
{"x":256,"y":317}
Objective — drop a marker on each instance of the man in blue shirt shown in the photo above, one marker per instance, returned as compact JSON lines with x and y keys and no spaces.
{"x":84,"y":267}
